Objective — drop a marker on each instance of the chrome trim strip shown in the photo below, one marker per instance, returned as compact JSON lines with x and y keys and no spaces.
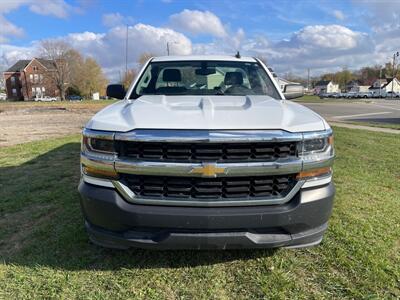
{"x":97,"y":181}
{"x":317,"y":181}
{"x":105,"y":135}
{"x":317,"y":134}
{"x":278,"y":167}
{"x":130,"y":197}
{"x":99,"y":161}
{"x":125,"y":191}
{"x":320,"y":163}
{"x":210,"y":136}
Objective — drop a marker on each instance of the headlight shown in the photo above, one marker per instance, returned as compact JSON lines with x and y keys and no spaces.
{"x":98,"y":154}
{"x":98,"y":145}
{"x":317,"y":146}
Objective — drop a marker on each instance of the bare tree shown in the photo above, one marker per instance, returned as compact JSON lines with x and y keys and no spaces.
{"x":61,"y":54}
{"x":128,"y":77}
{"x":144,"y":57}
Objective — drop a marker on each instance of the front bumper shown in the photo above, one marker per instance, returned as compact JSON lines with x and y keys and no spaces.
{"x":113,"y":222}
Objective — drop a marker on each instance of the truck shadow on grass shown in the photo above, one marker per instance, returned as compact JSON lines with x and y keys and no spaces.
{"x":41,"y":222}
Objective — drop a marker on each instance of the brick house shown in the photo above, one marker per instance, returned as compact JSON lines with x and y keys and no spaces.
{"x":27,"y":79}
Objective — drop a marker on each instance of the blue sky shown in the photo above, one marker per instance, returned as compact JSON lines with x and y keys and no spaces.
{"x":291,"y":35}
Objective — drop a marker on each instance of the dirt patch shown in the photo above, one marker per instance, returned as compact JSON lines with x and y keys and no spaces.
{"x":20,"y":123}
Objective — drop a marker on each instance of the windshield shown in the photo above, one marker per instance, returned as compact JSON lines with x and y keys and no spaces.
{"x":204,"y":78}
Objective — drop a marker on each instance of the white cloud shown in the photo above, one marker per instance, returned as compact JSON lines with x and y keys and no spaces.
{"x":8,"y":29}
{"x":338,"y":14}
{"x":329,"y":36}
{"x":115,"y":19}
{"x":57,"y":8}
{"x":10,"y":5}
{"x":109,"y":48}
{"x":320,"y":48}
{"x":10,"y":54}
{"x":197,"y":23}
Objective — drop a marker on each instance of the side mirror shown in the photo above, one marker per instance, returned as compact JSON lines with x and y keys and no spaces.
{"x":116,"y":91}
{"x":292,"y":91}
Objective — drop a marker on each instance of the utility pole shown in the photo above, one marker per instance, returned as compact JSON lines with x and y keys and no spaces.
{"x":380,"y":84}
{"x":126,"y":50}
{"x":168,"y":44}
{"x":308,"y":80}
{"x":393,"y":72}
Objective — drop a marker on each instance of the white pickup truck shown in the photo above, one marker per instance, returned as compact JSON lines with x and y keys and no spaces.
{"x":205,"y":152}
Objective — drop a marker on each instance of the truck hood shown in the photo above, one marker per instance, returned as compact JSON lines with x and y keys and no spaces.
{"x":206,"y":112}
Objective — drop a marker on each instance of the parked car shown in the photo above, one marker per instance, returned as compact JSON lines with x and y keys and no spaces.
{"x":364,"y":95}
{"x":376,"y":94}
{"x":391,"y":94}
{"x":324,"y":95}
{"x":45,"y":99}
{"x":74,"y":98}
{"x":206,"y":168}
{"x":338,"y":95}
{"x":351,"y":95}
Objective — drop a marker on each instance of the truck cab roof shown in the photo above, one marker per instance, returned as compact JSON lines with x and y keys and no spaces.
{"x":202,"y":58}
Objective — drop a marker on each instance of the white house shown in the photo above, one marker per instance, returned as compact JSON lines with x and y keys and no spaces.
{"x":385,"y":85}
{"x":396,"y":85}
{"x":326,"y":86}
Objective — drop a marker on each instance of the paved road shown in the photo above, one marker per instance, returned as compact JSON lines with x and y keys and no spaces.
{"x":380,"y":111}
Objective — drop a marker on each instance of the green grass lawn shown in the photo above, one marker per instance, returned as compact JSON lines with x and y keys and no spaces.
{"x":374,"y":124}
{"x":310,"y":98}
{"x":45,"y":252}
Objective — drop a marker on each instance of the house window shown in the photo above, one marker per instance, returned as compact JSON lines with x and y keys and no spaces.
{"x":12,"y":80}
{"x":31,"y":78}
{"x":33,"y":91}
{"x":36,"y":76}
{"x":41,"y":78}
{"x":35,"y":68}
{"x":14,"y":92}
{"x":38,"y":91}
{"x":43,"y":90}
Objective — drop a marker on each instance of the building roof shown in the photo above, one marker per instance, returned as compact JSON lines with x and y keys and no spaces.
{"x":203,"y":57}
{"x":19,"y":65}
{"x":389,"y":81}
{"x":47,"y":63}
{"x":384,"y":83}
{"x":322,"y":82}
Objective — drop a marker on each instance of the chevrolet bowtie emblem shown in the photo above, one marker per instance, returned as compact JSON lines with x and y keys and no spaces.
{"x":208,"y":170}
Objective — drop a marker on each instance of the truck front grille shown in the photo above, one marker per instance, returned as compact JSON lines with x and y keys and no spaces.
{"x":202,"y":152}
{"x":166,"y":187}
